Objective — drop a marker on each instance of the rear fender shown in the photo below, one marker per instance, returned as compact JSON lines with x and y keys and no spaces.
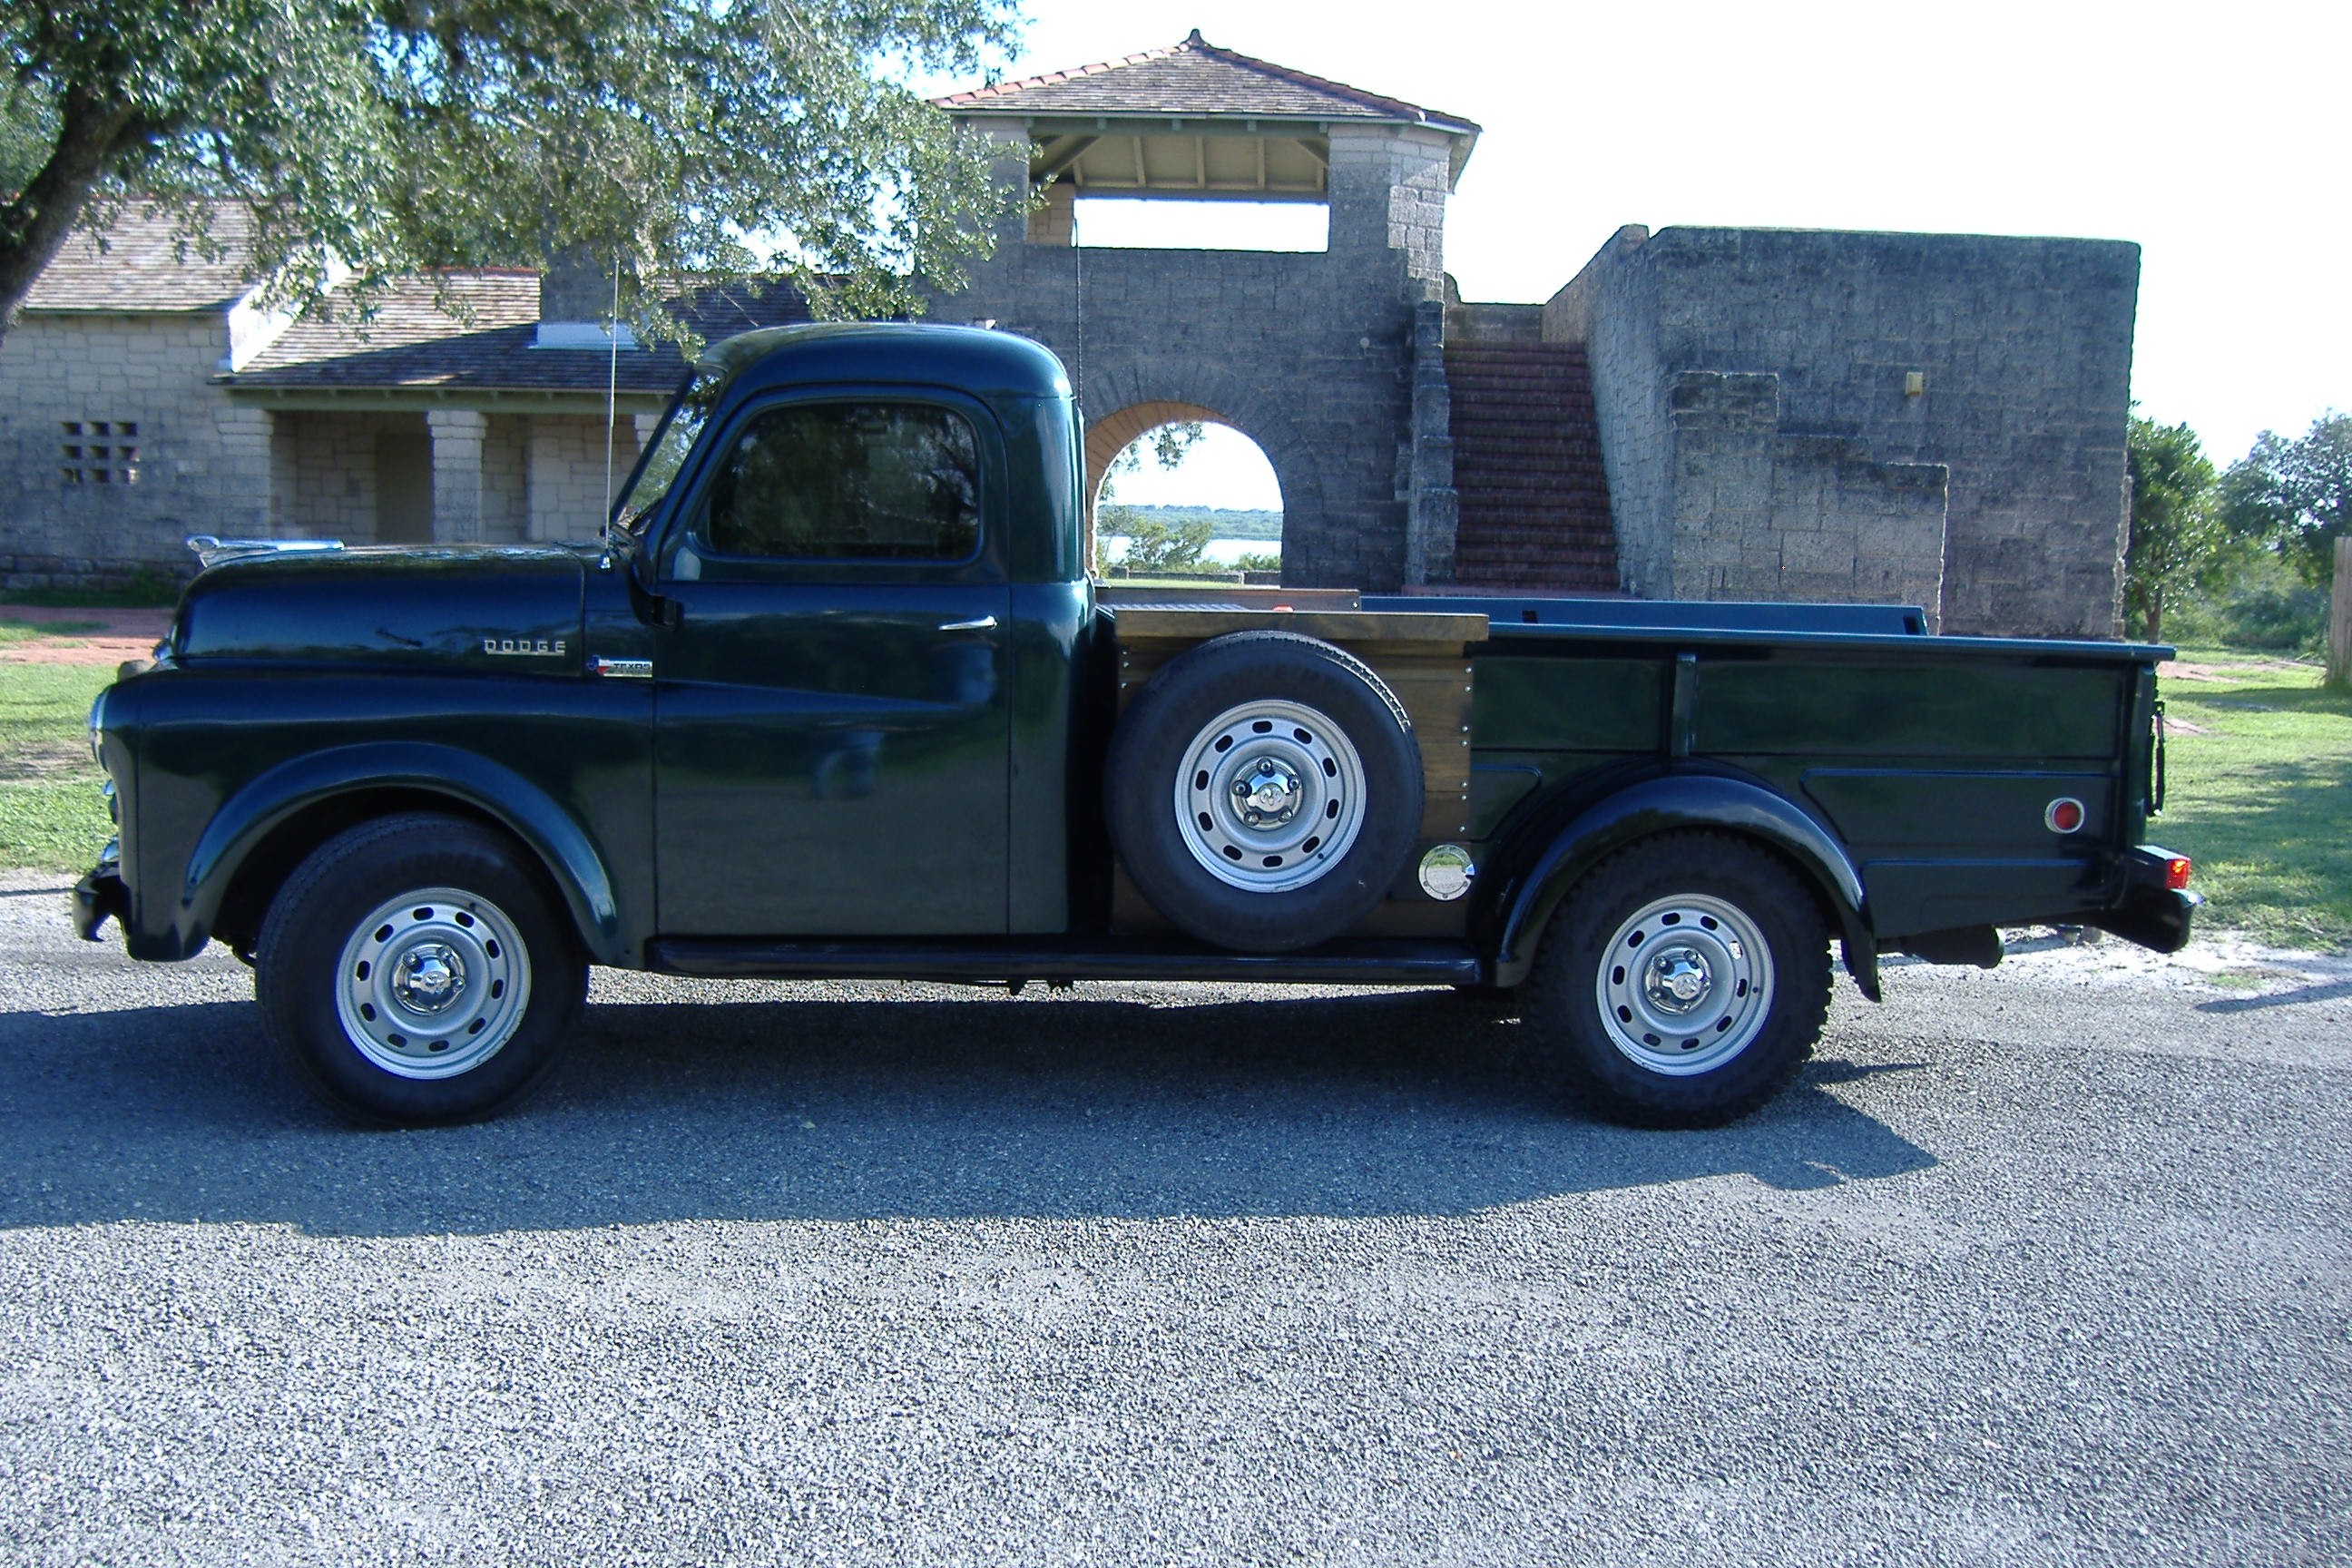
{"x":249,"y":815}
{"x":1674,"y":803}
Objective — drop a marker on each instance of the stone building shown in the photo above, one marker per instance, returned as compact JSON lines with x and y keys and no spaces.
{"x":145,"y":396}
{"x":1696,"y":414}
{"x":1935,"y":420}
{"x":1707,"y":413}
{"x":1314,"y":356}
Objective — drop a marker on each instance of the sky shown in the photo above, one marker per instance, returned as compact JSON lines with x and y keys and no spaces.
{"x":2216,"y":137}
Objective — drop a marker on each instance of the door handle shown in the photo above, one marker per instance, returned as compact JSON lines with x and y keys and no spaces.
{"x":985,"y":624}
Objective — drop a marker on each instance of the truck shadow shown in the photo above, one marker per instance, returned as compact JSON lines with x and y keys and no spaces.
{"x":829,"y":1105}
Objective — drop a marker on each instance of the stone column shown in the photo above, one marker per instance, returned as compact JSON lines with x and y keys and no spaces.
{"x":547,"y":478}
{"x":246,"y":457}
{"x":457,"y":435}
{"x":1056,"y":221}
{"x":1435,"y":506}
{"x":285,"y":476}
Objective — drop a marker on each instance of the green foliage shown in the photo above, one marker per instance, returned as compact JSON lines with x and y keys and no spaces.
{"x":1259,"y":561}
{"x":1153,"y":545}
{"x":2177,"y":540}
{"x":683,"y":138}
{"x":2264,"y":605}
{"x":2296,"y":496}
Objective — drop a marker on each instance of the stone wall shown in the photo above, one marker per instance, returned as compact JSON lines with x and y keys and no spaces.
{"x":1759,"y":513}
{"x":332,"y":460}
{"x":566,"y":471}
{"x":2006,"y":362}
{"x":1310,"y":355}
{"x":1630,"y":405}
{"x":203,"y":465}
{"x":541,"y":476}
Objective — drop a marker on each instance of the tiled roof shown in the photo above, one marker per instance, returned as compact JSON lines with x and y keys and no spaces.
{"x":136,"y":263}
{"x":1194,"y":79}
{"x":413,"y":344}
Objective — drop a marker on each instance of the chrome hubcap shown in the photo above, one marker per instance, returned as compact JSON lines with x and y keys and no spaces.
{"x":1270,"y":797}
{"x":433,"y":983}
{"x":1685,"y":985}
{"x":1677,"y":979}
{"x":429,"y":978}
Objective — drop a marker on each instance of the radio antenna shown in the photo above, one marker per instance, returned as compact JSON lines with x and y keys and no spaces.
{"x":612,"y":388}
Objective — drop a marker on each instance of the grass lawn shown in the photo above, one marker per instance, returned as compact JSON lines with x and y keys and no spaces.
{"x":51,"y":813}
{"x":2261,"y":795}
{"x":2261,"y":788}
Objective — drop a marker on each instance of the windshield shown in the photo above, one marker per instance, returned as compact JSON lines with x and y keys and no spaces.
{"x":658,"y":468}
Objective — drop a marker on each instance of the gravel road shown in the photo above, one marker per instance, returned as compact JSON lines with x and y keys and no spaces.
{"x":2047,"y":1265}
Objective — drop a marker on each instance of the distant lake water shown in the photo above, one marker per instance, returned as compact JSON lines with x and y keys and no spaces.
{"x":1225,"y":551}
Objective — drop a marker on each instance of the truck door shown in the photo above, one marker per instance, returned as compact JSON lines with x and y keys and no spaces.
{"x":832,"y":723}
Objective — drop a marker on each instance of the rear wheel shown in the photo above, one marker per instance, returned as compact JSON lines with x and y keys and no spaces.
{"x":1682,"y":983}
{"x":417,"y":971}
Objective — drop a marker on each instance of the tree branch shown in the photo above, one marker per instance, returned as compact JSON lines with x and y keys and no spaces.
{"x":36,"y":223}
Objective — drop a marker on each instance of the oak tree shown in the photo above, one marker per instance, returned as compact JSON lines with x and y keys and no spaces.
{"x":2295,"y":495}
{"x":663,"y":139}
{"x":2177,"y":540}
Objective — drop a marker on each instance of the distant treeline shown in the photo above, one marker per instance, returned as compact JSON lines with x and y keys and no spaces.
{"x":1223,"y":522}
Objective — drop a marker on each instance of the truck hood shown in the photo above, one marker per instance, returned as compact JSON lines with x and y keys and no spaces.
{"x":514,"y":609}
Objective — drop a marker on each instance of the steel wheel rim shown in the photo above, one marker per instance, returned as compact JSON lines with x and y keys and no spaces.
{"x":433,"y":983}
{"x":1685,"y":984}
{"x":1284,"y":746}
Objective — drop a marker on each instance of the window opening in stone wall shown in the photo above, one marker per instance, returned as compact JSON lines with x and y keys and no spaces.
{"x":1188,"y":500}
{"x":100,"y":452}
{"x":1130,"y":223}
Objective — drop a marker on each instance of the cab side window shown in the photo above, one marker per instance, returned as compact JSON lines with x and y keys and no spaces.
{"x":849,"y":481}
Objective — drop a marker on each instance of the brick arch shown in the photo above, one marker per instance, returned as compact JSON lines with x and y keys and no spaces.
{"x":1212,"y":399}
{"x":1109,"y":438}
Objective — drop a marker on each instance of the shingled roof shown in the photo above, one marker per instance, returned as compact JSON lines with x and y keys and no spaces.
{"x":1194,"y":79}
{"x":414,"y":345}
{"x":146,"y":259}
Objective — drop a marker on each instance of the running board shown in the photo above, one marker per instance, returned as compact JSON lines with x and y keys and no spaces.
{"x":991,"y":960}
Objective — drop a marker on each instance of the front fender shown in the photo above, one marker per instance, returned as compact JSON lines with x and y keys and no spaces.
{"x":249,"y":816}
{"x":1666,"y":804}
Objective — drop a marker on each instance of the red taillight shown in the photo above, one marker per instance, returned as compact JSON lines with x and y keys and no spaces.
{"x":2176,"y":873}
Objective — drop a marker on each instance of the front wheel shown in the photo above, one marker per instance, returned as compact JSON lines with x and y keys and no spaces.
{"x":417,"y":971}
{"x":1684,"y":982}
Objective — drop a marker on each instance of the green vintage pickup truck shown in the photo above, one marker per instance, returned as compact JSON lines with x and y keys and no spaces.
{"x":837,"y":696}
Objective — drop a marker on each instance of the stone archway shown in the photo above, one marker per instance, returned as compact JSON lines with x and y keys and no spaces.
{"x":1143,"y":399}
{"x":1107,"y":439}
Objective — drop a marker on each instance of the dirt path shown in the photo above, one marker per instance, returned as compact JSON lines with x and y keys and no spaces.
{"x":103,"y":637}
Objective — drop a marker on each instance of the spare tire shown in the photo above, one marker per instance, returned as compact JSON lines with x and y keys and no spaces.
{"x":1264,"y":791}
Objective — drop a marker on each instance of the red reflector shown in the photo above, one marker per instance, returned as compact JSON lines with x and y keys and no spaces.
{"x":2064,"y":815}
{"x":2176,"y":873}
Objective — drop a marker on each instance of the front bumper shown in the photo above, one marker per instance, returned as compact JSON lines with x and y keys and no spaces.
{"x":98,"y":894}
{"x":2148,"y":913}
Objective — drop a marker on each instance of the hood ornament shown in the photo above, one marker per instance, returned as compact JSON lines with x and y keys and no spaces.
{"x":211,"y":547}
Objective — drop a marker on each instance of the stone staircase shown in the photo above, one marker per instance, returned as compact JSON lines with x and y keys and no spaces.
{"x":1527,"y":467}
